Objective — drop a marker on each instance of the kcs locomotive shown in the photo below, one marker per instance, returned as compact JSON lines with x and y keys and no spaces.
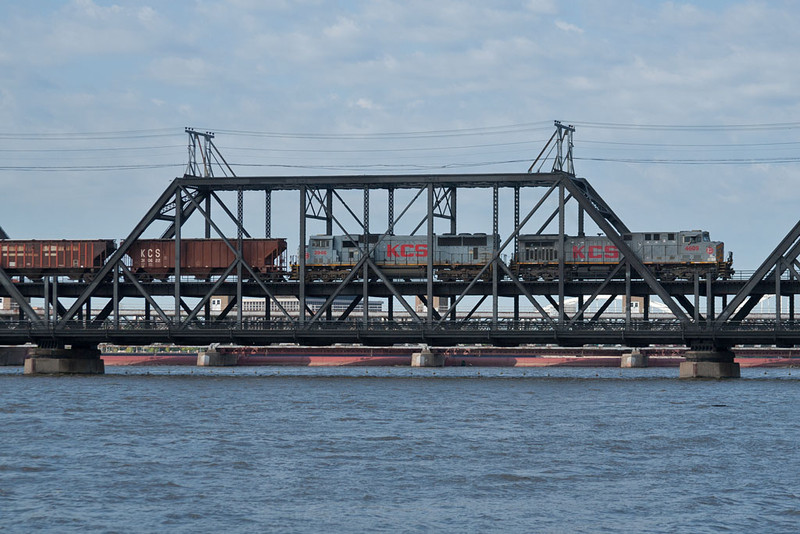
{"x":670,"y":255}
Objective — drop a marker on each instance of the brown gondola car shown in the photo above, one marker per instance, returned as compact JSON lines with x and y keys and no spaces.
{"x":202,"y":258}
{"x":34,"y":259}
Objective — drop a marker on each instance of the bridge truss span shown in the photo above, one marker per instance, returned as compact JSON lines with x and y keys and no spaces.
{"x":424,"y":298}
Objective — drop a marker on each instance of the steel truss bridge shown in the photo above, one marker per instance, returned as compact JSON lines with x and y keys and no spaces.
{"x":703,"y":313}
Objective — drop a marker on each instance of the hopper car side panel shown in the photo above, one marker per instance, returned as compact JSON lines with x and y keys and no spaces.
{"x":76,"y":259}
{"x":205,"y":257}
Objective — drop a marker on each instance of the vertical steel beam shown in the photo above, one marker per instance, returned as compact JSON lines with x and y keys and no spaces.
{"x":390,"y":201}
{"x":46,"y":296}
{"x":495,"y":233}
{"x":55,"y":299}
{"x":329,"y":212}
{"x":516,"y":247}
{"x":453,"y":210}
{"x":709,"y":302}
{"x":239,"y":255}
{"x":176,"y":319}
{"x":779,"y":268}
{"x":268,"y":213}
{"x":208,"y":217}
{"x":696,"y":298}
{"x":301,"y":259}
{"x":561,"y":251}
{"x":116,"y":296}
{"x":366,"y":249}
{"x":429,"y":318}
{"x":453,"y":230}
{"x":627,"y":294}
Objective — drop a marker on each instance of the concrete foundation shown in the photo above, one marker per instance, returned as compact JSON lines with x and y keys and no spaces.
{"x":709,"y":364}
{"x":64,"y":361}
{"x":212,"y":358}
{"x":634,"y":359}
{"x":426,"y":358}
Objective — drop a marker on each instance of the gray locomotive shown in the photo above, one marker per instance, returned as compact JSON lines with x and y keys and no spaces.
{"x":671,"y":255}
{"x":455,"y":257}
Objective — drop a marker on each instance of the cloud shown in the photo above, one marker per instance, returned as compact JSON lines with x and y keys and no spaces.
{"x":567,"y":27}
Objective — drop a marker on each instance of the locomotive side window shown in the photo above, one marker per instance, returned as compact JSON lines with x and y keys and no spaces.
{"x":475,"y":253}
{"x":656,"y":237}
{"x":627,"y":237}
{"x":648,"y":237}
{"x":670,"y":237}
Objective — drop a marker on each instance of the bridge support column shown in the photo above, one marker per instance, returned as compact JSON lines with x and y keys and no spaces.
{"x":426,"y":358}
{"x":212,"y":358}
{"x":716,"y":363}
{"x":75,"y":361}
{"x":634,"y":359}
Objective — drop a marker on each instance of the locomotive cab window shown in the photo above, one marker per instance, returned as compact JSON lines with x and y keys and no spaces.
{"x":706,"y":237}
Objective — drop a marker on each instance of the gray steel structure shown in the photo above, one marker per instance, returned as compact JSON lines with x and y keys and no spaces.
{"x":702,"y":314}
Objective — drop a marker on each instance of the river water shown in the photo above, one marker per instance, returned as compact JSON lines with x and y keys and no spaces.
{"x":276,"y":449}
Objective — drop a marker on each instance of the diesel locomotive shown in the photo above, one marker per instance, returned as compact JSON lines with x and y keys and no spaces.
{"x":670,"y":255}
{"x":455,"y":257}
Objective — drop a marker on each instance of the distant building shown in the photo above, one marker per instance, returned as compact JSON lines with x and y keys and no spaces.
{"x":440,"y":304}
{"x":292,"y":305}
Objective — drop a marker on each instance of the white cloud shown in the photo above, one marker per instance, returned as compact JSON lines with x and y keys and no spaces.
{"x":567,"y":27}
{"x":344,"y":28}
{"x":365,"y":103}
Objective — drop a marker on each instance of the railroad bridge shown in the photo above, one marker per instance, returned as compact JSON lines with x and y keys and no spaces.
{"x":711,"y":315}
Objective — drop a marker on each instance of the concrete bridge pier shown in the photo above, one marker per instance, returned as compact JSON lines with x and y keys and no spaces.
{"x":713,"y":363}
{"x":59,"y":361}
{"x":634,"y":359}
{"x":426,"y":358}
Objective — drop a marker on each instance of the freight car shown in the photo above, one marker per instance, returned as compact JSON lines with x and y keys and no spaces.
{"x":34,"y":259}
{"x":455,"y":257}
{"x":671,"y":255}
{"x":203,"y":258}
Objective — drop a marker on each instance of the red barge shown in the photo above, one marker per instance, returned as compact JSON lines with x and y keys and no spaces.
{"x":453,"y":356}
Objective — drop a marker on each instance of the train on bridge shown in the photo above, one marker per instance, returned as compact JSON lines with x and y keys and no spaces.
{"x":671,"y":256}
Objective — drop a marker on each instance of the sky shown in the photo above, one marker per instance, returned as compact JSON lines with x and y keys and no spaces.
{"x":686,"y":115}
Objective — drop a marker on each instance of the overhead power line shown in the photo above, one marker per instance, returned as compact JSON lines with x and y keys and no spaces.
{"x":687,"y":127}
